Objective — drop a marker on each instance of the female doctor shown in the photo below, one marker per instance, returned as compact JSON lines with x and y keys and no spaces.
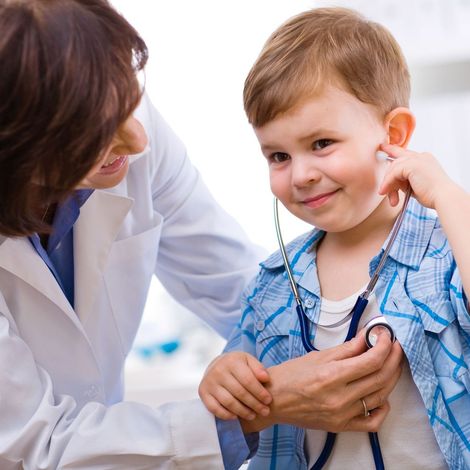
{"x":97,"y":195}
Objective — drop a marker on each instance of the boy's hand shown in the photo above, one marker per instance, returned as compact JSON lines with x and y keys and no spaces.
{"x":232,"y":387}
{"x":419,"y":170}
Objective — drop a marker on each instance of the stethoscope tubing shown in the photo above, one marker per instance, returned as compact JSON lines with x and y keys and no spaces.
{"x":355,"y":314}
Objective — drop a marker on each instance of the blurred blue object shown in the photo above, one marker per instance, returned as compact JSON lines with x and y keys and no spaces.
{"x":149,"y":351}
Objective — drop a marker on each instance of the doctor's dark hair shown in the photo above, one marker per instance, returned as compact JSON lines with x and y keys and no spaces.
{"x":326,"y":46}
{"x":68,"y":81}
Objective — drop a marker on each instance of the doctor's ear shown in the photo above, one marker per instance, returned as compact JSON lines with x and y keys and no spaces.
{"x":400,"y":124}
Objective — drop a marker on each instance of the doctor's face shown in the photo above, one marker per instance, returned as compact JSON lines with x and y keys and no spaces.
{"x":112,"y":167}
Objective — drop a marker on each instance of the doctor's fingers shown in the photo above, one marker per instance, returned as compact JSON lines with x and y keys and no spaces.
{"x":371,"y":423}
{"x":376,"y":387}
{"x":372,"y":360}
{"x":377,"y":399}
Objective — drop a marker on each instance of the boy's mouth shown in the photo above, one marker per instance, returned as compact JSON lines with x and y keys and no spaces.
{"x":319,"y":199}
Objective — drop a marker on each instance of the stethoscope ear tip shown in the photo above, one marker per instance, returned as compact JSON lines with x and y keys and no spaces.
{"x":383,"y":156}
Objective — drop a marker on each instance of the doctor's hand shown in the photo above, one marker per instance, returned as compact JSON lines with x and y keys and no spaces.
{"x":325,"y":389}
{"x":232,"y":387}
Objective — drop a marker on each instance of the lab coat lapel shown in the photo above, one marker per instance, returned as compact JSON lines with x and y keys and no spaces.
{"x":100,"y":219}
{"x":18,"y":256}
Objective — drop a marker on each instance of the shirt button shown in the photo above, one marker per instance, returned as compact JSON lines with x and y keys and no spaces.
{"x":260,"y":324}
{"x":309,"y":303}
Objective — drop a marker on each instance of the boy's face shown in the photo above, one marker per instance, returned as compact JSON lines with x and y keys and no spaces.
{"x":321,"y":157}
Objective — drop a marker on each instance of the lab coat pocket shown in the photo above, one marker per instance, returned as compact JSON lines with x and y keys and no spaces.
{"x":272,"y":327}
{"x":127,"y":277}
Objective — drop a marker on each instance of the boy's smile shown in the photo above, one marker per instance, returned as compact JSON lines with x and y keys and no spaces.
{"x":321,"y":157}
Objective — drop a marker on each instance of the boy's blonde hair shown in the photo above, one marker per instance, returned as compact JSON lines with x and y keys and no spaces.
{"x":325,"y":46}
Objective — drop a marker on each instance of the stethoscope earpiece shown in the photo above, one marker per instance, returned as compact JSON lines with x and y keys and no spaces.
{"x":383,"y":156}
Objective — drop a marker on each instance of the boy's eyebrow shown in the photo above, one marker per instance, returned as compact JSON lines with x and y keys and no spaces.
{"x":321,"y":133}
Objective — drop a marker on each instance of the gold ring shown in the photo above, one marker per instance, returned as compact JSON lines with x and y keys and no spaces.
{"x":366,"y":411}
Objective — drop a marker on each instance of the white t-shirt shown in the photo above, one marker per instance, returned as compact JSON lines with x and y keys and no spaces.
{"x":406,"y":437}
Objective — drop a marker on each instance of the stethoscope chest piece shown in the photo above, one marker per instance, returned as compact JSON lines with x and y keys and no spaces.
{"x":375,"y":327}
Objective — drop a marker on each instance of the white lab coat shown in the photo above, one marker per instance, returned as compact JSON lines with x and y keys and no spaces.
{"x":61,"y":369}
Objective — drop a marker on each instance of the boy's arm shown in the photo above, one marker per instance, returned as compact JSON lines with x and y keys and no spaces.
{"x":453,"y":207}
{"x":237,"y":446}
{"x":433,"y":188}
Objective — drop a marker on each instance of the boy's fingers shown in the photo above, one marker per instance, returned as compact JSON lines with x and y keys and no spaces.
{"x":246,"y":396}
{"x":232,"y":404}
{"x":249,"y":378}
{"x":257,"y":368}
{"x":261,"y":374}
{"x":395,"y":150}
{"x":217,"y":409}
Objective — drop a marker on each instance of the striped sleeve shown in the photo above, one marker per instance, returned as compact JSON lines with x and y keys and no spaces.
{"x":242,"y":337}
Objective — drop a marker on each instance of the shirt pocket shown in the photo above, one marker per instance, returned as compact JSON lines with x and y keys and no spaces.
{"x":127,"y":277}
{"x":271,"y":331}
{"x":435,"y":311}
{"x":442,"y":335}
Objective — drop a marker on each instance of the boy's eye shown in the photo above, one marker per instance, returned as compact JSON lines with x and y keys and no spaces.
{"x":321,"y":144}
{"x":279,"y":157}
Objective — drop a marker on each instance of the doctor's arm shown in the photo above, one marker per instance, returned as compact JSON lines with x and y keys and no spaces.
{"x":42,"y":428}
{"x":205,"y":259}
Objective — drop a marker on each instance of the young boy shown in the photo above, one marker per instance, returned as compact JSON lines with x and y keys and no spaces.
{"x":328,"y":91}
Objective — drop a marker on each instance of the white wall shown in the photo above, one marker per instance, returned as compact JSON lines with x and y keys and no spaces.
{"x":200,"y":53}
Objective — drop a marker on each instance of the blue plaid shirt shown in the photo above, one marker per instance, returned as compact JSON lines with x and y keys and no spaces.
{"x":420,"y":293}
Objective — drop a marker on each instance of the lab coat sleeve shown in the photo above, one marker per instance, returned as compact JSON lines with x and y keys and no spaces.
{"x":42,"y":430}
{"x":205,"y":259}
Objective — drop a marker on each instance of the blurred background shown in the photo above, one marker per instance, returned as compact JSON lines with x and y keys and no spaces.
{"x":200,"y":53}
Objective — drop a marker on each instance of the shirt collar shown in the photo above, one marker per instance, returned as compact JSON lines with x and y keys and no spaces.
{"x":413,"y":237}
{"x":66,"y":215}
{"x":408,"y":249}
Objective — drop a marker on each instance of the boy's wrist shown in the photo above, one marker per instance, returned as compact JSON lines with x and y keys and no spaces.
{"x":449,"y":196}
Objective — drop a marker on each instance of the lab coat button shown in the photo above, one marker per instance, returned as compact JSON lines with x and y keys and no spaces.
{"x":309,"y":303}
{"x":91,"y":392}
{"x":260,"y":324}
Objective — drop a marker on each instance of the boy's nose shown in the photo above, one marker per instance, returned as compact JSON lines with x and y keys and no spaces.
{"x":304,"y":171}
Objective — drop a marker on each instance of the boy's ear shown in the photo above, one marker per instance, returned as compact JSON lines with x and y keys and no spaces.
{"x":400,"y":124}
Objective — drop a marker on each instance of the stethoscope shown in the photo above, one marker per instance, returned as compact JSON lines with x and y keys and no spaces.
{"x":354,"y":315}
